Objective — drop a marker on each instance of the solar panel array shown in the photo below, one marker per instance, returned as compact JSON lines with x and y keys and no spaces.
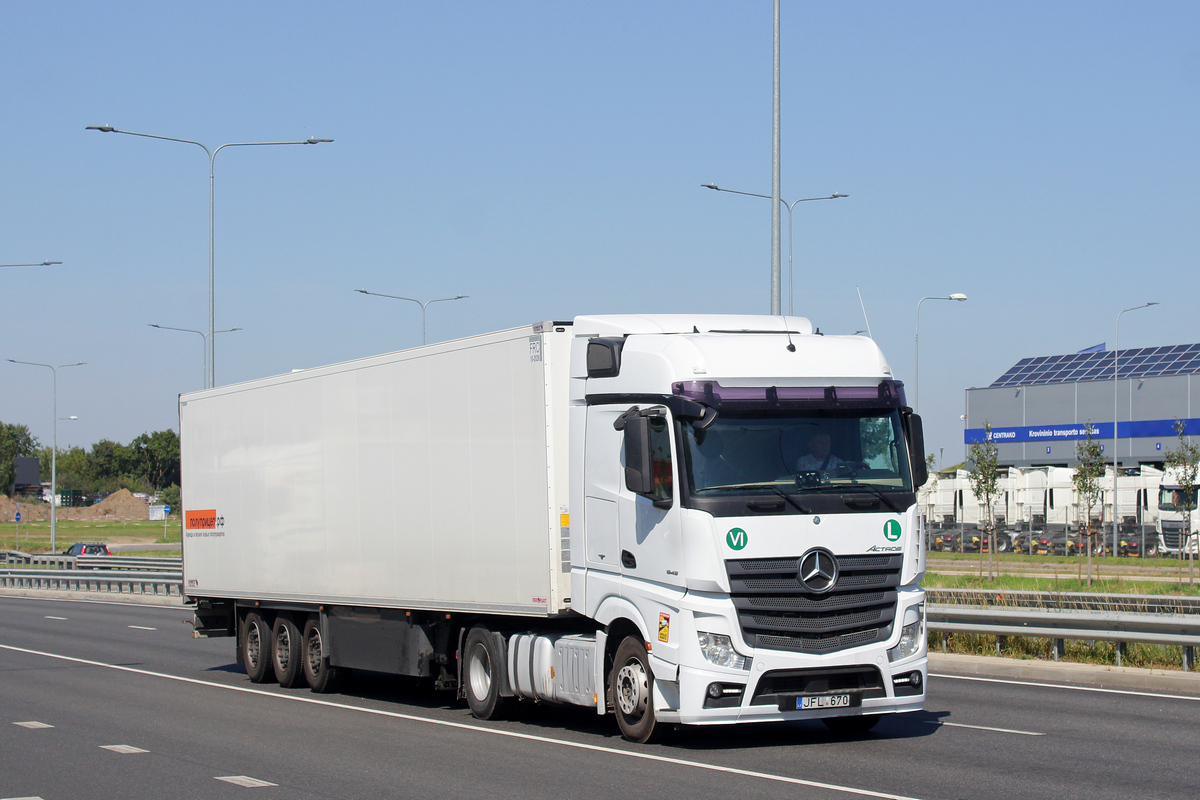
{"x":1143,"y":362}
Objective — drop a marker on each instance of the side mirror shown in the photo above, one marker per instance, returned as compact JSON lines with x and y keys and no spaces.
{"x":639,"y":475}
{"x":916,"y":451}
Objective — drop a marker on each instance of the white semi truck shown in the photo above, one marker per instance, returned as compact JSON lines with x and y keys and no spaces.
{"x":1174,"y":536}
{"x":674,"y":519}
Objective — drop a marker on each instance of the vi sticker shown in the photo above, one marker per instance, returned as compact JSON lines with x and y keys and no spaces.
{"x":736,"y":539}
{"x":891,"y":530}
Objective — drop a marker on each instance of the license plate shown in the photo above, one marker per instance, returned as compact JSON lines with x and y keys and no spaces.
{"x":823,"y":701}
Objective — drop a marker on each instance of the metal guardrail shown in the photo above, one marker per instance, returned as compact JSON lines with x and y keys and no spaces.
{"x":106,"y":581}
{"x":1058,"y":625}
{"x":1066,"y":601}
{"x":91,"y":562}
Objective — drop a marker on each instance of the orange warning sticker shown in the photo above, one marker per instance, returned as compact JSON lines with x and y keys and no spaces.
{"x":201,"y":520}
{"x":664,"y":627}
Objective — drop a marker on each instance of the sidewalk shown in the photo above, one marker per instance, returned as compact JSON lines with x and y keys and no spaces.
{"x":1067,"y":673}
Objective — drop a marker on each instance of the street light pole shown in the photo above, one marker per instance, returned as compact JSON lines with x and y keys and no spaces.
{"x":789,"y":207}
{"x":53,"y":450}
{"x":39,"y":264}
{"x":418,"y":302}
{"x":960,"y":297}
{"x":210,"y":379}
{"x":1116,"y":384}
{"x":204,"y":342}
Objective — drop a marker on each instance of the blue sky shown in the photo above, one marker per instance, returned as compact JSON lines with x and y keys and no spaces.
{"x":546,"y":160}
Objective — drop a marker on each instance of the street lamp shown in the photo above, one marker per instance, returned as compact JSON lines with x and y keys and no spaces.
{"x":39,"y":264}
{"x":1116,"y":384}
{"x":960,"y":297}
{"x":212,"y":157}
{"x":789,"y":207}
{"x":418,"y":302}
{"x":204,"y":342}
{"x":53,"y":449}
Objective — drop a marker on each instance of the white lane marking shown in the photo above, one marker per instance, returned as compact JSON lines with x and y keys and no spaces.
{"x":49,"y":617}
{"x":1064,"y":686}
{"x":126,"y":749}
{"x":20,"y":798}
{"x":245,"y":780}
{"x":984,"y":728}
{"x":478,"y":729}
{"x":142,"y":628}
{"x":33,"y":725}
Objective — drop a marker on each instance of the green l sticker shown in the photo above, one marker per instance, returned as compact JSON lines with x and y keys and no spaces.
{"x":736,"y":539}
{"x":891,"y":530}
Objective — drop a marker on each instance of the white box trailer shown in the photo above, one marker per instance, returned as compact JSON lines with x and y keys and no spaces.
{"x":296,"y":478}
{"x":675,"y":519}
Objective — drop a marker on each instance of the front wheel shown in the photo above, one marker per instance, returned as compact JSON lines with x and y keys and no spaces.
{"x":631,"y":684}
{"x":1002,"y":543}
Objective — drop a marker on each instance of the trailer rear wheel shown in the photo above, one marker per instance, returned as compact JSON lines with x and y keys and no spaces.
{"x":482,"y":674}
{"x":256,"y":648}
{"x":631,"y":684}
{"x":851,"y":725}
{"x":320,"y":676}
{"x":285,"y":652}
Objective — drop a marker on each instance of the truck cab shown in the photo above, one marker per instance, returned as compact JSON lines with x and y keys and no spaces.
{"x":748,"y":518}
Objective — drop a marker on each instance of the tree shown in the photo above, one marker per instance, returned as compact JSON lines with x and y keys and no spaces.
{"x":1089,"y":469}
{"x":984,"y":477}
{"x":1184,"y":462}
{"x":15,"y":440}
{"x":158,"y":457}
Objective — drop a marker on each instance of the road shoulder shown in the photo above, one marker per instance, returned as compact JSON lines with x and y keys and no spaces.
{"x":1067,"y":673}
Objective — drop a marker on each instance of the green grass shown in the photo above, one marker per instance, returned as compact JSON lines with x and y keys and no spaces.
{"x":1146,"y":656}
{"x":35,"y":536}
{"x":1065,"y":582}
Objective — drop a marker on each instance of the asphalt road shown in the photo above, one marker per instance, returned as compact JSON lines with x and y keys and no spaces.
{"x":84,"y":682}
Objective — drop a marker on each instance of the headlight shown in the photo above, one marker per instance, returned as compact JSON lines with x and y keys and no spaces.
{"x":911,"y":636}
{"x":718,"y":649}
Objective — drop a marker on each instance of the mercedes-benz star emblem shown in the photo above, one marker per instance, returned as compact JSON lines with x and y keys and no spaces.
{"x":818,"y":570}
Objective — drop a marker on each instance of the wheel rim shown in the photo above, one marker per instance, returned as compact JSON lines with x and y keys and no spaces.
{"x":633,"y":689}
{"x":315,"y":652}
{"x":253,"y":645}
{"x":480,"y":673}
{"x":283,"y":647}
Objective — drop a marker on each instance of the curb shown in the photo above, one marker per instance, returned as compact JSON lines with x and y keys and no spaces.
{"x":96,"y":597}
{"x":1067,"y":673}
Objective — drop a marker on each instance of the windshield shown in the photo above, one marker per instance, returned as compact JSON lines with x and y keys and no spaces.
{"x":798,"y":452}
{"x":1171,"y":498}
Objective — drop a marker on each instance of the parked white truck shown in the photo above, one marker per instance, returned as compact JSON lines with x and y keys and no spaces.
{"x":1173,"y":535}
{"x":675,"y":519}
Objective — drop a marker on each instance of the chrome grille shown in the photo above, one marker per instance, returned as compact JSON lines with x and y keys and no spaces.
{"x":775,"y":611}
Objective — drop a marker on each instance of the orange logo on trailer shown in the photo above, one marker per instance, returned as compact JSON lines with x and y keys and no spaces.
{"x":201,"y":520}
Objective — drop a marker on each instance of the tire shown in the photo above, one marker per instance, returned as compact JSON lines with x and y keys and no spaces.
{"x":1151,"y":550}
{"x":256,"y":648}
{"x":1003,"y":545}
{"x":314,"y":658}
{"x":851,"y":725}
{"x":631,"y":685}
{"x":285,"y":652}
{"x":483,"y":674}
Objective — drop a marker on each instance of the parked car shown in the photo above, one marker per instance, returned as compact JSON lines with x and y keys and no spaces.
{"x":87,"y":549}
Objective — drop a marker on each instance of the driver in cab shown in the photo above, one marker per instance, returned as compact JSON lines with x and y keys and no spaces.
{"x":819,"y":458}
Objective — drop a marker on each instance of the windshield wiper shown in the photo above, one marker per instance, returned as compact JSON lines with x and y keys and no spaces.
{"x":845,"y":487}
{"x":870,"y":487}
{"x":790,"y":499}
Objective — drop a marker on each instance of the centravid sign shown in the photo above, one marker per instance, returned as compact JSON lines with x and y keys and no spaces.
{"x":1146,"y":428}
